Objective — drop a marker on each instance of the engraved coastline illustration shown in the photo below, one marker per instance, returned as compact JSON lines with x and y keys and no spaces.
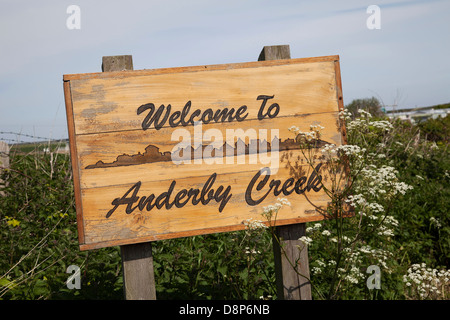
{"x":153,"y":154}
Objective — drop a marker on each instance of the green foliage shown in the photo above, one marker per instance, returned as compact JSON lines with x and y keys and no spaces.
{"x":235,"y":265}
{"x":437,"y":130}
{"x":371,"y":105}
{"x":419,"y":219}
{"x":39,"y":236}
{"x":426,"y":166}
{"x":39,"y":241}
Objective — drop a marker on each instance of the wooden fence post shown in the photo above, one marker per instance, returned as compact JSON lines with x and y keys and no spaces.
{"x":291,"y":254}
{"x":4,"y":162}
{"x":137,"y":259}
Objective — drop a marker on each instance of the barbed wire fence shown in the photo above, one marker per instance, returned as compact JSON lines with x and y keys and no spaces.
{"x":4,"y":164}
{"x":18,"y":142}
{"x":11,"y":137}
{"x":13,"y":143}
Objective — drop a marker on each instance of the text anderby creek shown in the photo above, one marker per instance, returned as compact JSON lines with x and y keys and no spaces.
{"x":257,"y":190}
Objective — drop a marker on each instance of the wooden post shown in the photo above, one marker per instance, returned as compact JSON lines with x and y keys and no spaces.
{"x":117,"y":63}
{"x":275,"y":53}
{"x":291,"y":254}
{"x":4,"y":162}
{"x":138,"y":274}
{"x":137,"y":259}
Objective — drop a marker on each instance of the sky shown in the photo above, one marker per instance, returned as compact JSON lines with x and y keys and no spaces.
{"x":405,"y":62}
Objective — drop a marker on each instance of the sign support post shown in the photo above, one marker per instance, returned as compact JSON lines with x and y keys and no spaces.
{"x":137,"y":259}
{"x":291,"y":254}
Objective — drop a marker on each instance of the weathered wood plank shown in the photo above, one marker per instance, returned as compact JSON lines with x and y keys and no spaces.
{"x":191,"y":215}
{"x":275,"y":53}
{"x":243,"y":166}
{"x":244,"y":65}
{"x":105,"y":105}
{"x":196,"y":212}
{"x":74,"y":160}
{"x":117,"y":63}
{"x":292,"y":263}
{"x":4,"y":163}
{"x":139,"y":279}
{"x":189,"y":233}
{"x":107,"y":147}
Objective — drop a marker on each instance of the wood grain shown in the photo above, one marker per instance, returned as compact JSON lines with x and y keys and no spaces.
{"x":106,"y":129}
{"x":74,"y":160}
{"x":244,"y":65}
{"x":105,"y":105}
{"x":292,"y":263}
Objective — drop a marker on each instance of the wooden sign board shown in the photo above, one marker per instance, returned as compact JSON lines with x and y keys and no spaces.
{"x":166,"y":153}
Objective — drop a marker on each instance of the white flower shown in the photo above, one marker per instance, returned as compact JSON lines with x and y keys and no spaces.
{"x":375,"y":207}
{"x":356,"y":200}
{"x":346,"y":239}
{"x":345,"y":115}
{"x":352,"y":279}
{"x":350,"y":150}
{"x":401,"y":187}
{"x":327,"y":147}
{"x":437,"y":222}
{"x":321,"y":263}
{"x":253,"y":251}
{"x":253,"y":224}
{"x":424,"y":281}
{"x":316,"y":270}
{"x":365,"y":249}
{"x":391,"y":220}
{"x":306,"y":240}
{"x":364,"y":113}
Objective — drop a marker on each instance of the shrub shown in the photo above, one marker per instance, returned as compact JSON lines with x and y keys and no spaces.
{"x":39,"y":235}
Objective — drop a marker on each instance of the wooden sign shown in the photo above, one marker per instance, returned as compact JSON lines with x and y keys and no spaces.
{"x":168,"y":153}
